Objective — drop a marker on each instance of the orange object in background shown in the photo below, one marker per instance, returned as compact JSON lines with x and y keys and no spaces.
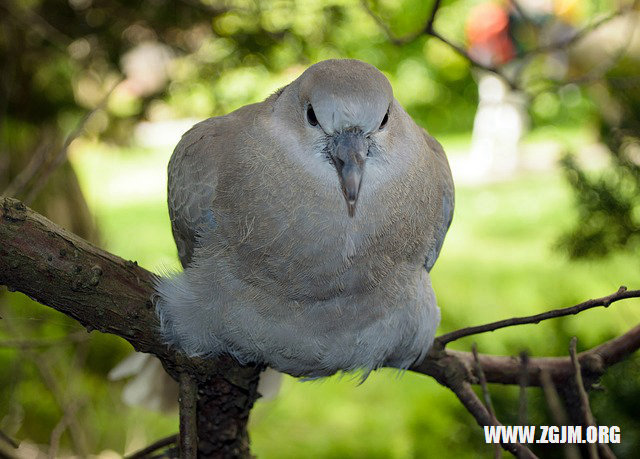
{"x":487,"y":31}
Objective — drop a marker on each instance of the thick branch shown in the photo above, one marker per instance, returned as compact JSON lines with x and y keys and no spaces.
{"x":67,"y":273}
{"x":508,"y":370}
{"x":104,"y":292}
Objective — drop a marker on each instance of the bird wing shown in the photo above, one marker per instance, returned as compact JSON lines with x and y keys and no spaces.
{"x":192,"y":187}
{"x":446,"y":189}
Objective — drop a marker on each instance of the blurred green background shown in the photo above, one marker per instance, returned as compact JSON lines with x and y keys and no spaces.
{"x":518,"y":245}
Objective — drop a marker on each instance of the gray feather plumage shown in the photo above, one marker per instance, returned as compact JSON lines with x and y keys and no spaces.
{"x":276,"y":271}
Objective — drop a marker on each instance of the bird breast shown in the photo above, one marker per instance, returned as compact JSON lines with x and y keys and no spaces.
{"x":306,"y":247}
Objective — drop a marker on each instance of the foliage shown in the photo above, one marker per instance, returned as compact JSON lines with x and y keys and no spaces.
{"x":607,"y":201}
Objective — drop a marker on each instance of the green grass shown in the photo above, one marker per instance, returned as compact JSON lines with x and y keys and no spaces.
{"x":498,"y":261}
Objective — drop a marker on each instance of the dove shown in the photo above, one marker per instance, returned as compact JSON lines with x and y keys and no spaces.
{"x":307,"y":226}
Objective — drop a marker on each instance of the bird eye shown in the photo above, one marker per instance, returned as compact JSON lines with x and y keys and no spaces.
{"x":311,"y":116}
{"x":384,"y":120}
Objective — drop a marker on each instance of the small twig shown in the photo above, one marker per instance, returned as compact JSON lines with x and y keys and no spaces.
{"x":554,"y":403}
{"x":188,"y":400}
{"x":483,"y":382}
{"x":59,"y":394}
{"x":524,"y":383}
{"x":35,"y":164}
{"x":523,"y":14}
{"x":582,"y":394}
{"x":497,"y":453}
{"x":472,"y":403}
{"x":7,"y":439}
{"x":461,"y":51}
{"x":39,"y":24}
{"x":558,"y":413}
{"x":61,"y":155}
{"x":64,"y":422}
{"x":146,"y":451}
{"x":585,"y":406}
{"x":387,"y":30}
{"x":432,"y":17}
{"x":580,"y":33}
{"x":605,"y":301}
{"x":599,"y":71}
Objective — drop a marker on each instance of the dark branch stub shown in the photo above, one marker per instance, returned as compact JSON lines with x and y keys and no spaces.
{"x":154,"y":447}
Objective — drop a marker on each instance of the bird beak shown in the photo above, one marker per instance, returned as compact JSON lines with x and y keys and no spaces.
{"x":348,"y":155}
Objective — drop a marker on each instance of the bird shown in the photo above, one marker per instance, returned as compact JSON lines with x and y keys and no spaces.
{"x":307,"y":226}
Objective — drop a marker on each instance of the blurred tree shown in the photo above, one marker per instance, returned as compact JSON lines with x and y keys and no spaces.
{"x":607,"y":200}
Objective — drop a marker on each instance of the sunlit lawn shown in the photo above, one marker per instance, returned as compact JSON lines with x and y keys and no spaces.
{"x":498,"y":261}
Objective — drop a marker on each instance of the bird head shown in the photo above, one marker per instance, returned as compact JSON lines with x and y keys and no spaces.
{"x":344,"y":106}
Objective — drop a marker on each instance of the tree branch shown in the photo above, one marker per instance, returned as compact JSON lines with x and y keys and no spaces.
{"x":429,"y":30}
{"x":67,"y":273}
{"x":508,"y":370}
{"x":497,"y":453}
{"x":188,"y":428}
{"x":513,"y":82}
{"x":579,"y":33}
{"x":558,"y":413}
{"x":472,"y":403}
{"x":106,"y":293}
{"x":524,"y":376}
{"x":605,"y":301}
{"x":7,"y":439}
{"x":155,"y":446}
{"x":582,"y":394}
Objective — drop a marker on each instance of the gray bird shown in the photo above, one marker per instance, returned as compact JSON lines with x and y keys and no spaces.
{"x":307,"y":225}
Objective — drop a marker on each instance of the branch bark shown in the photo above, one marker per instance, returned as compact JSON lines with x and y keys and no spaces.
{"x":508,"y":369}
{"x":106,"y":293}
